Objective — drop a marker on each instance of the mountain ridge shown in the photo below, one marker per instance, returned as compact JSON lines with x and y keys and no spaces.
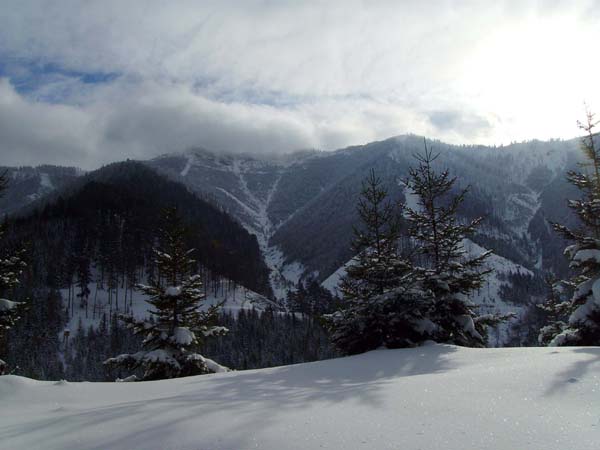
{"x":302,"y":208}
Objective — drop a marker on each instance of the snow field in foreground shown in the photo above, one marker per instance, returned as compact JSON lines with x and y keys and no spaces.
{"x":432,"y":397}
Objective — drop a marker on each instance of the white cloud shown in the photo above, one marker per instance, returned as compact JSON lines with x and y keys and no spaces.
{"x":277,"y":76}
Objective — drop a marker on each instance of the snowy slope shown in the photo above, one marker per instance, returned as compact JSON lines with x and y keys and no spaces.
{"x":432,"y":398}
{"x":28,"y":184}
{"x":245,"y":186}
{"x":488,"y":297}
{"x":332,"y":282}
{"x":232,"y":299}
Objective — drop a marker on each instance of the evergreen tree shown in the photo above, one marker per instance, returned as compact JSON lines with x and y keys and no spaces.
{"x":179,"y":325}
{"x":84,"y":277}
{"x":556,"y":310}
{"x":583,"y":309}
{"x":449,"y":274}
{"x":309,"y":298}
{"x":381,"y":305}
{"x":11,"y":268}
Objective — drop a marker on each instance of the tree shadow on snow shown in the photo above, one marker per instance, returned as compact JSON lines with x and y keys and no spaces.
{"x":256,"y":397}
{"x":576,"y":371}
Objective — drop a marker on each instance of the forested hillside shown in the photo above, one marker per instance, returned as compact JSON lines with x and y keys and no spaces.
{"x":28,"y":184}
{"x":296,"y":213}
{"x":302,"y":208}
{"x":88,"y":245}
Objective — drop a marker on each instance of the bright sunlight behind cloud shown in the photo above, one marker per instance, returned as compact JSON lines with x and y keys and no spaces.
{"x":89,"y":83}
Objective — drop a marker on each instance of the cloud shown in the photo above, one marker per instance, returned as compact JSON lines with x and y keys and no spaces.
{"x":124,"y":120}
{"x":460,"y":122}
{"x":34,"y":132}
{"x":87,"y":83}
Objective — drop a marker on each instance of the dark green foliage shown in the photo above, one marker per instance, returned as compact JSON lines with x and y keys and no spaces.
{"x":34,"y":341}
{"x":11,"y":269}
{"x":555,"y":309}
{"x":521,"y":288}
{"x":267,"y":339}
{"x":255,"y":340}
{"x":398,"y":301}
{"x":450,"y":274}
{"x":583,"y":309}
{"x":179,"y":325}
{"x":115,"y":211}
{"x":312,"y":299}
{"x":380,"y":305}
{"x":89,"y":348}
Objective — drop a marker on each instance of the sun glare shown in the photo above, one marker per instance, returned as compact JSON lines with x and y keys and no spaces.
{"x":533,"y":78}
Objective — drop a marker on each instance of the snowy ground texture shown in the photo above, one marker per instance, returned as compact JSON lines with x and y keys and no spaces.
{"x":433,"y":397}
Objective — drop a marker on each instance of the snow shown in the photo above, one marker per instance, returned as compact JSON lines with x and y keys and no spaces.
{"x":173,"y":291}
{"x":425,"y":326}
{"x":214,"y":366}
{"x":411,"y":199}
{"x":188,"y":165}
{"x":596,"y":290}
{"x":253,"y":210}
{"x":293,"y":272}
{"x":587,"y":255}
{"x":433,"y":397}
{"x":128,"y":379}
{"x":488,"y":297}
{"x":586,"y":310}
{"x":215,"y":330}
{"x":46,"y":182}
{"x":466,"y":322}
{"x":183,"y":336}
{"x":332,"y":282}
{"x":520,"y":210}
{"x":7,"y":305}
{"x":158,"y":355}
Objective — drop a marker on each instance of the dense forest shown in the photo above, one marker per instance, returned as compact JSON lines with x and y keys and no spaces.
{"x":97,"y":236}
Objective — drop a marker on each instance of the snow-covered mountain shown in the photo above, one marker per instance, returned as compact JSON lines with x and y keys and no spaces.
{"x":302,"y":207}
{"x":435,"y":397}
{"x":28,"y":184}
{"x":251,"y":189}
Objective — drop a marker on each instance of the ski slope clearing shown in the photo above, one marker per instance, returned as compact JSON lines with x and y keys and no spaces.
{"x":433,"y":397}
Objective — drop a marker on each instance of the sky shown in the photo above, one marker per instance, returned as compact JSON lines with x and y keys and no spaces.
{"x":85,"y":83}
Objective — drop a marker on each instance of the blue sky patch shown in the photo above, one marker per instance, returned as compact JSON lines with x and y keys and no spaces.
{"x":47,"y":81}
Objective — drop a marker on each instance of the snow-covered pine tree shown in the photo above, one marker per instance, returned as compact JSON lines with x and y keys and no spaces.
{"x":11,"y":268}
{"x":381,"y":305}
{"x":178,"y":325}
{"x":555,"y":309}
{"x":583,"y":324}
{"x":450,"y":274}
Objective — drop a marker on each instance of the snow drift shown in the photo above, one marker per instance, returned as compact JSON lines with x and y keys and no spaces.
{"x":433,"y":397}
